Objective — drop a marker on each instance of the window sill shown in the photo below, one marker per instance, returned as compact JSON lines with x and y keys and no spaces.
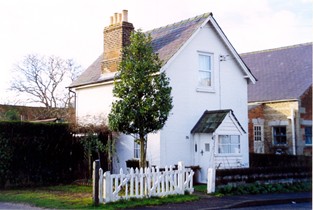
{"x":205,"y":89}
{"x":229,"y":155}
{"x":280,"y":145}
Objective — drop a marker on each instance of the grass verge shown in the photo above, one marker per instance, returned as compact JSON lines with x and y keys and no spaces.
{"x":79,"y":197}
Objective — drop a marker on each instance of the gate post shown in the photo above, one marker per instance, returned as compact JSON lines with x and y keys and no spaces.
{"x":95,"y":182}
{"x":181,"y":177}
{"x":211,"y":180}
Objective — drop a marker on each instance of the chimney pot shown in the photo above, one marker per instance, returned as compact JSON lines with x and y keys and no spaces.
{"x":115,"y":18}
{"x":119,"y":17}
{"x":125,"y":15}
{"x":111,"y":20}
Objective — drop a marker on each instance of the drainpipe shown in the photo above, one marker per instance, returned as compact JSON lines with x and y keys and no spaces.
{"x":70,"y":91}
{"x":292,"y":118}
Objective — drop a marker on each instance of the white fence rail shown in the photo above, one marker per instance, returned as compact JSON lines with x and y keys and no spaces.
{"x":144,"y":183}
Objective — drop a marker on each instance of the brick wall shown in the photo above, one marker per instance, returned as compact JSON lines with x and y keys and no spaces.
{"x":115,"y":37}
{"x":278,"y":114}
{"x":305,"y":120}
{"x":255,"y":112}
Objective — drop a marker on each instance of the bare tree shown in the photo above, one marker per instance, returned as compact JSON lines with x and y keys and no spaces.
{"x":44,"y":79}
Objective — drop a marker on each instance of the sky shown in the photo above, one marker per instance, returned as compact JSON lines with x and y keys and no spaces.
{"x":74,"y":28}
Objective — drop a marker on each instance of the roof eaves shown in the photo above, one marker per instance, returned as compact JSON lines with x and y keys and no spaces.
{"x":234,"y":116}
{"x":92,"y":83}
{"x":244,"y":67}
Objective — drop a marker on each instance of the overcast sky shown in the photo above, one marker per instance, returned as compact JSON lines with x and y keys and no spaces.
{"x":74,"y":28}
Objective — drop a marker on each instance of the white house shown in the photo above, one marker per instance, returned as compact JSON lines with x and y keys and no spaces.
{"x":208,"y":124}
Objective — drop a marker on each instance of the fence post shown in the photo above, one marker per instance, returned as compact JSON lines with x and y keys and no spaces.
{"x":211,"y":180}
{"x":107,"y":192}
{"x":181,"y":177}
{"x":95,"y":182}
{"x":101,"y":193}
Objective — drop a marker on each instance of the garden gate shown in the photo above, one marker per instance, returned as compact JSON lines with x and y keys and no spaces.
{"x":144,"y":183}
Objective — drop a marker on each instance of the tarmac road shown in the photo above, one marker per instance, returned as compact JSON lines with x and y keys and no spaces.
{"x":299,"y":206}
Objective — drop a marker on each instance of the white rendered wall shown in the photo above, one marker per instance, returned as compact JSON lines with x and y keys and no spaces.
{"x":189,"y":104}
{"x":93,"y":104}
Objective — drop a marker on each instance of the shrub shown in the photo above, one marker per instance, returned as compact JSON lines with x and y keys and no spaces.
{"x":38,"y":153}
{"x":264,"y":188}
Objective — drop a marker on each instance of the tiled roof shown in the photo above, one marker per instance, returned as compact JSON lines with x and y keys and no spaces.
{"x":282,"y":73}
{"x":166,"y":41}
{"x":90,"y":75}
{"x":210,"y":120}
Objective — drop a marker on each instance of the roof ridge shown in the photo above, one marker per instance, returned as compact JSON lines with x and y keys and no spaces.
{"x":204,"y":15}
{"x":276,"y":49}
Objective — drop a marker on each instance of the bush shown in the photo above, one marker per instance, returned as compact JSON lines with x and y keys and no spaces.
{"x":38,"y":154}
{"x":264,"y":188}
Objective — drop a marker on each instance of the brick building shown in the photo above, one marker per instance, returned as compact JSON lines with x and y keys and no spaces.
{"x":280,"y":103}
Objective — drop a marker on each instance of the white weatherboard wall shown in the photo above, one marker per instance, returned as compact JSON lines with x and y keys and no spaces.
{"x":189,"y":104}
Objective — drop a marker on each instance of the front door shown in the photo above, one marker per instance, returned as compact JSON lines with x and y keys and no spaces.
{"x":204,"y":154}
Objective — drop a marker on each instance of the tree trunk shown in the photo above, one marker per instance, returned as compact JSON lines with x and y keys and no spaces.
{"x":142,"y":163}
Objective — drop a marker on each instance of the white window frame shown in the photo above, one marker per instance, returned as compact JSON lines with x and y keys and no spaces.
{"x":236,"y":150}
{"x":136,"y":150}
{"x":258,"y":135}
{"x":210,"y":70}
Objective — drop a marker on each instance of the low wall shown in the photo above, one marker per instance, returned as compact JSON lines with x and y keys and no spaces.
{"x":262,"y":175}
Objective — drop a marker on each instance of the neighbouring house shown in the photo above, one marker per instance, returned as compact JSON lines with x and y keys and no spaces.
{"x":208,"y":124}
{"x":280,"y":103}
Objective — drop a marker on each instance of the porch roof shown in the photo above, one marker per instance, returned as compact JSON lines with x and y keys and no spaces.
{"x":211,"y":120}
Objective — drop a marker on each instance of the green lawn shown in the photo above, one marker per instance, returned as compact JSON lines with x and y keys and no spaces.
{"x":78,"y":197}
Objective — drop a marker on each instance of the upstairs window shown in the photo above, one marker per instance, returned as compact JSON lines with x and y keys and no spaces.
{"x":205,"y":70}
{"x":279,"y":135}
{"x":308,"y":135}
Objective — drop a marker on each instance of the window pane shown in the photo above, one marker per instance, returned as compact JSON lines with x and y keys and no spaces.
{"x":279,"y":135}
{"x":204,"y":78}
{"x":308,"y":135}
{"x":205,"y":62}
{"x":257,"y":133}
{"x":205,"y":70}
{"x":136,"y":150}
{"x":234,"y":139}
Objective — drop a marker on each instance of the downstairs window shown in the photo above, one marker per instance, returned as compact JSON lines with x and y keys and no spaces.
{"x":229,"y":144}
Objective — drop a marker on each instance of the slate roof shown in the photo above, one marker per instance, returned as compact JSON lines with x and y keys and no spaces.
{"x":166,"y":41}
{"x":282,"y":73}
{"x":210,"y":120}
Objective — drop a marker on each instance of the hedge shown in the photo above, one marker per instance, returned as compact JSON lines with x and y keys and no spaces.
{"x":38,"y":154}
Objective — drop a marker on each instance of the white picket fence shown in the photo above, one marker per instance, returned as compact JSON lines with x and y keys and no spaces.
{"x":144,"y":183}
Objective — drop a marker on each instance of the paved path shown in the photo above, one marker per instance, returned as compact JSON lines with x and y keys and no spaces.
{"x":17,"y":206}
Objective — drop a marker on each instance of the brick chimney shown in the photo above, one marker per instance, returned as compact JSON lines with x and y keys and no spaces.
{"x":115,"y":36}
